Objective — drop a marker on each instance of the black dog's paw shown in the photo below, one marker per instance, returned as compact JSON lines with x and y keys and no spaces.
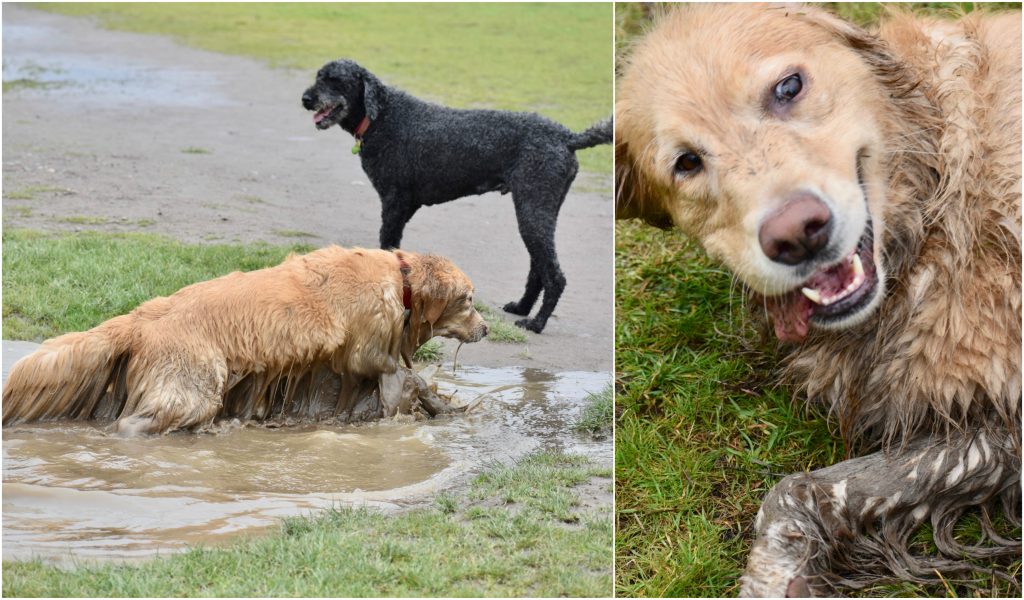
{"x":513,"y":307}
{"x":530,"y":324}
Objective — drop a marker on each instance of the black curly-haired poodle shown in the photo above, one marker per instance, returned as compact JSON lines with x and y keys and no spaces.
{"x":417,"y":153}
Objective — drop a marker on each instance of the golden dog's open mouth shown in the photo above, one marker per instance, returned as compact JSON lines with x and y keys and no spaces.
{"x":830,"y":295}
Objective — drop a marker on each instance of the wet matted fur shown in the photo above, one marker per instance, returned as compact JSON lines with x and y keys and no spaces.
{"x":866,"y":190}
{"x":270,"y":342}
{"x":418,"y":154}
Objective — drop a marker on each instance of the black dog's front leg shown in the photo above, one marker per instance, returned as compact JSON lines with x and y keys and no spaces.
{"x":395,"y":213}
{"x":849,"y":523}
{"x":533,"y":289}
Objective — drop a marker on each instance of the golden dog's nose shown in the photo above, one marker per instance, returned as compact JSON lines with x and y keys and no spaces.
{"x":796,"y":232}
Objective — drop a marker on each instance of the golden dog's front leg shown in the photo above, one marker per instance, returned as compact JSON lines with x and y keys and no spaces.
{"x":850,"y":523}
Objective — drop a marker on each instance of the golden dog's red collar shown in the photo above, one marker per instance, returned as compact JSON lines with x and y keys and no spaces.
{"x":406,"y":288}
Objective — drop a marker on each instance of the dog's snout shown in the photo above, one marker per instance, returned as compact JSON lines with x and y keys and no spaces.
{"x":797,"y":232}
{"x":484,"y":329}
{"x":308,"y":100}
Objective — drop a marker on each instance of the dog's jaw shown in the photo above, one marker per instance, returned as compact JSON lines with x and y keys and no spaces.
{"x":328,"y":115}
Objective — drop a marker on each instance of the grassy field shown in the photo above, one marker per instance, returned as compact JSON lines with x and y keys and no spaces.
{"x":103,"y":275}
{"x":518,"y":531}
{"x":702,"y":429}
{"x":555,"y":59}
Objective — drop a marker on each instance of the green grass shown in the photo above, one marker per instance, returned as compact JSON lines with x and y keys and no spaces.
{"x":294,"y":233}
{"x":597,"y":415}
{"x":53,"y":284}
{"x":702,"y":430}
{"x":33,"y":191}
{"x":194,"y":150}
{"x":20,"y":211}
{"x":518,"y":531}
{"x":500,"y":330}
{"x":29,"y":84}
{"x":431,"y":351}
{"x":555,"y":59}
{"x":84,"y":220}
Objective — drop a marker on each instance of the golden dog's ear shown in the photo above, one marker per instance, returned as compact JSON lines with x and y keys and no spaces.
{"x":634,"y":198}
{"x":433,"y":308}
{"x":435,"y":284}
{"x":894,"y":74}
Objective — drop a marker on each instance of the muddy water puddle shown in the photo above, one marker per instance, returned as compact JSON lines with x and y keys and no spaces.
{"x":72,"y":492}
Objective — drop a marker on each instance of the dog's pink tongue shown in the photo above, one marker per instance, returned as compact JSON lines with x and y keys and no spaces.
{"x":321,"y":115}
{"x":791,"y":314}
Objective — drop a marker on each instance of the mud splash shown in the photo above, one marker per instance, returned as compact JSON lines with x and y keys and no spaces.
{"x":72,"y":492}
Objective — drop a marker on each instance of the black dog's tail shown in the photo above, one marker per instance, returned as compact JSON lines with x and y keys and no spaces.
{"x":598,"y":133}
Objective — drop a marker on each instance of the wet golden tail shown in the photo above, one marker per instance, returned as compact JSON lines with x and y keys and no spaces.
{"x":70,"y":376}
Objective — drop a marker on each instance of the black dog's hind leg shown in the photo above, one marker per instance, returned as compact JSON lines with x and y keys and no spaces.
{"x":395,"y":213}
{"x":537,"y":214}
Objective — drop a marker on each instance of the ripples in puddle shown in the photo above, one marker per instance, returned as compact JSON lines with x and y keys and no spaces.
{"x":71,"y":491}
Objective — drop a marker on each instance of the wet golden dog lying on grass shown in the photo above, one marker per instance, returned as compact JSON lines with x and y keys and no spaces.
{"x":866,"y":190}
{"x":322,"y":332}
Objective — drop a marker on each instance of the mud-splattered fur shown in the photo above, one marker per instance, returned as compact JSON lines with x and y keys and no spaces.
{"x":951,"y":239}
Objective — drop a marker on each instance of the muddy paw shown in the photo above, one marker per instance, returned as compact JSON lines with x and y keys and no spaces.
{"x":513,"y":307}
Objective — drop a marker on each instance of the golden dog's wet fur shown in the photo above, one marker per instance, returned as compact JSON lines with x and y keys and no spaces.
{"x":933,"y":109}
{"x":943,"y":185}
{"x":224,"y":347}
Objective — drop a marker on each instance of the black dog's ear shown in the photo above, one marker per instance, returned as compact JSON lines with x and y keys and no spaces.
{"x":374,"y":95}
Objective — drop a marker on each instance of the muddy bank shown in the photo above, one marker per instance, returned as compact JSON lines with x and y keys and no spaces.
{"x":72,"y":492}
{"x":209,"y":148}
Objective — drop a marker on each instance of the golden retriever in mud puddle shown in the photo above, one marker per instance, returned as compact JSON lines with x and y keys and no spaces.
{"x":254,"y":345}
{"x":866,"y":190}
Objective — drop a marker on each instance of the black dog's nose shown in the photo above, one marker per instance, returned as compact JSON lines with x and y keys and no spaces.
{"x":307,"y":101}
{"x":796,"y":232}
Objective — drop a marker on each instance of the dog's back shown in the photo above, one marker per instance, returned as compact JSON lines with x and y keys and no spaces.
{"x":452,"y":153}
{"x":174,"y":351}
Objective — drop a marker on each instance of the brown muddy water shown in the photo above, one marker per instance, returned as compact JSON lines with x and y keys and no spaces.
{"x":72,"y":492}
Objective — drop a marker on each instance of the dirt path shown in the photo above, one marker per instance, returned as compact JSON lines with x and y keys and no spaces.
{"x":113,"y":131}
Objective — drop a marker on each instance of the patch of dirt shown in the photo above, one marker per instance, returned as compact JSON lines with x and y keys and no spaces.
{"x":129,"y":132}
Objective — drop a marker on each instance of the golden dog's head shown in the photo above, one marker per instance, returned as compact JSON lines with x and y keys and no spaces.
{"x":443,"y":301}
{"x":760,"y":130}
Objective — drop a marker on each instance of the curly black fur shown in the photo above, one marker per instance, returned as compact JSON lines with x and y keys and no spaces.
{"x":418,"y":154}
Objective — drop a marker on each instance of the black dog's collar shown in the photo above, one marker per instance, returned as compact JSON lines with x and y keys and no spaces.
{"x":358,"y":134}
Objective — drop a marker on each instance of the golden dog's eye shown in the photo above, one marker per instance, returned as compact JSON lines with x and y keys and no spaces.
{"x":789,"y":88}
{"x":688,"y":163}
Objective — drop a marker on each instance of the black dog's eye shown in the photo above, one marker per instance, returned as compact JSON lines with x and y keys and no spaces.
{"x":688,"y":163}
{"x":789,"y":88}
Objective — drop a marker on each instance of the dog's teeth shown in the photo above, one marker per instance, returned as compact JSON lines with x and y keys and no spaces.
{"x":811,"y":295}
{"x":858,"y":267}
